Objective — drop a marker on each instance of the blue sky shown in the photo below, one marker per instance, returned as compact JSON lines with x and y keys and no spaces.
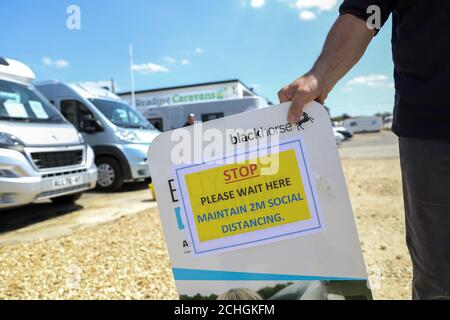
{"x":265,"y":43}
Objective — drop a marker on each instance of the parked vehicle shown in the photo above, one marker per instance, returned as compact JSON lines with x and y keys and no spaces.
{"x":348,"y":134}
{"x":364,"y":124}
{"x":42,"y":156}
{"x":388,"y":121}
{"x":339,"y":138}
{"x":119,"y":135}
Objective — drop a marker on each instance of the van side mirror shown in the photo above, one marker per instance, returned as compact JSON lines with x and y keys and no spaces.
{"x":90,"y":125}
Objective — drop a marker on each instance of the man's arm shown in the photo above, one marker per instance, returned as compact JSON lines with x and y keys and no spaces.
{"x":345,"y":45}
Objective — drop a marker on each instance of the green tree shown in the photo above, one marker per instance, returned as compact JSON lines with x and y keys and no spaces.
{"x":268,"y":292}
{"x":343,"y":117}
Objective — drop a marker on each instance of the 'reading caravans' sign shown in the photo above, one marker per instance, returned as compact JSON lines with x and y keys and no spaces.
{"x":257,"y":208}
{"x":151,"y":100}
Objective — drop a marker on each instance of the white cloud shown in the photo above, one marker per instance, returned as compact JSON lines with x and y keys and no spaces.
{"x":372,"y":80}
{"x":253,"y":3}
{"x":191,"y":52}
{"x":310,"y":9}
{"x":100,"y":84}
{"x":315,"y":4}
{"x":47,"y":61}
{"x":347,"y":89}
{"x":307,"y":15}
{"x":149,"y":68}
{"x":257,"y":3}
{"x":172,"y":61}
{"x":61,"y":63}
{"x":169,"y":59}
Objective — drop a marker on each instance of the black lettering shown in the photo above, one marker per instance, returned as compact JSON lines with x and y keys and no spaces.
{"x":172,"y":191}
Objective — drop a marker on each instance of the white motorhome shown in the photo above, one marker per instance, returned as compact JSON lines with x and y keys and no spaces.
{"x":363,"y":124}
{"x":42,"y":156}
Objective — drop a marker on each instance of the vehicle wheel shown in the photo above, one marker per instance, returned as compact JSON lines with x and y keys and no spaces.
{"x":69,"y":199}
{"x":110,"y":175}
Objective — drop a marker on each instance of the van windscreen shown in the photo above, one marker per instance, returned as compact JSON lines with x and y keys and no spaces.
{"x":122,"y":115}
{"x":23,"y":103}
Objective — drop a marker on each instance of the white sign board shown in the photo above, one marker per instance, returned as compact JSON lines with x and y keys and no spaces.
{"x":255,"y":207}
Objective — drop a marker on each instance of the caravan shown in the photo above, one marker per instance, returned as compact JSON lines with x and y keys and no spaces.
{"x":42,"y":156}
{"x":119,"y":135}
{"x":363,"y":124}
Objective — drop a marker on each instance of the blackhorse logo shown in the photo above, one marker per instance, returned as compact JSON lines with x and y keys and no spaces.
{"x":305,"y":118}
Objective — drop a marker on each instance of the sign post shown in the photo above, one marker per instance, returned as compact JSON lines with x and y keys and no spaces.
{"x":258,"y":208}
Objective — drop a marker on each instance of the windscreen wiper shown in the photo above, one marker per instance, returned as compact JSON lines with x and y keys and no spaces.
{"x":15,"y":119}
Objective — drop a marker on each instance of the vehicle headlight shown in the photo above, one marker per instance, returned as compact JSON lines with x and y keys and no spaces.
{"x":8,"y":141}
{"x":127,"y":136}
{"x":80,"y":138}
{"x":6,"y":173}
{"x":90,"y":156}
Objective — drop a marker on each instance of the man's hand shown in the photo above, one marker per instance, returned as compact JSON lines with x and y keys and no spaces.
{"x":303,"y":90}
{"x":346,"y":43}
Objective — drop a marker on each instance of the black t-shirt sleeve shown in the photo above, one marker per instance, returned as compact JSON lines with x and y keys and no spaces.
{"x":359,"y":8}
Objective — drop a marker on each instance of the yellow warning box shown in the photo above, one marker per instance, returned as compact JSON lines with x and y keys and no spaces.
{"x":237,"y":199}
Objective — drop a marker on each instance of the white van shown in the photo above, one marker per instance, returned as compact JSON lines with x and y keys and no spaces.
{"x":387,"y":123}
{"x":42,"y":156}
{"x":119,"y":135}
{"x":363,"y":124}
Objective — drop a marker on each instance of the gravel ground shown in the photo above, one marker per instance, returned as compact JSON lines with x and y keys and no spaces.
{"x":124,"y":259}
{"x":127,"y":258}
{"x":376,"y":194}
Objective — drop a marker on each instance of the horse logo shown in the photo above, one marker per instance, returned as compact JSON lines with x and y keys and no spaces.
{"x":304,"y":119}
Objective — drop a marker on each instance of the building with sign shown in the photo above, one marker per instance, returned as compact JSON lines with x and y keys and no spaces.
{"x":168,"y":108}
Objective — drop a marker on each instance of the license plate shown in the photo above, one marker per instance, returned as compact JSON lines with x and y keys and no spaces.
{"x":67,"y":182}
